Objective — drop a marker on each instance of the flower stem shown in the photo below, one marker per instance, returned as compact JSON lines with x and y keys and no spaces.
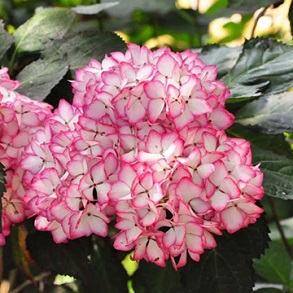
{"x":262,"y":13}
{"x":279,"y":226}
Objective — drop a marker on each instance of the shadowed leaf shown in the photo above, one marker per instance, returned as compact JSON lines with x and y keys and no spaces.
{"x":221,"y":269}
{"x":38,"y":78}
{"x":6,"y":40}
{"x":251,"y":5}
{"x":81,"y":47}
{"x":151,"y":278}
{"x":2,"y":190}
{"x":278,"y":173}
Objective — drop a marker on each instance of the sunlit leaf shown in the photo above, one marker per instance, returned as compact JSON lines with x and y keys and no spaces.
{"x":93,"y":9}
{"x":47,"y":24}
{"x":264,"y":66}
{"x":217,"y":6}
{"x":273,"y":113}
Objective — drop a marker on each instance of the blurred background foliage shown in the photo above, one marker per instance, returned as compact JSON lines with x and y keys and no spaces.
{"x":180,"y":24}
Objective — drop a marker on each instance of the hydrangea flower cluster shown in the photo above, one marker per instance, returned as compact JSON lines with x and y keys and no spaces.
{"x":144,"y":145}
{"x":20,"y":118}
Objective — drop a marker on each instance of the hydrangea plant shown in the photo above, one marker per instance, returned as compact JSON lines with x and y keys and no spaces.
{"x":154,"y":157}
{"x":143,"y":144}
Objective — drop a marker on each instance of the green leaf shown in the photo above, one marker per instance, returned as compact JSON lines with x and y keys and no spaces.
{"x":278,"y":173}
{"x":222,"y":269}
{"x":38,"y":78}
{"x":275,"y":143}
{"x":222,"y":56}
{"x":110,"y":276}
{"x":47,"y":25}
{"x":150,"y":278}
{"x":251,"y":5}
{"x":2,"y":190}
{"x":81,"y":47}
{"x":93,"y":9}
{"x":264,"y":66}
{"x":275,"y":265}
{"x":273,"y":113}
{"x":6,"y":40}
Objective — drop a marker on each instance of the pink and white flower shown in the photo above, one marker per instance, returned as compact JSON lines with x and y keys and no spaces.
{"x":143,"y":144}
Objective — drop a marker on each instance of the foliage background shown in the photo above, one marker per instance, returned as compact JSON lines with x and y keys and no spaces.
{"x":259,"y":74}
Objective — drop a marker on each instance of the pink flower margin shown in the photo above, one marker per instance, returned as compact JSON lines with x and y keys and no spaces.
{"x":143,"y":145}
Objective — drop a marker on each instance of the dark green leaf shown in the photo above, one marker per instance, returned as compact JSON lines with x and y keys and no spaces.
{"x":47,"y":25}
{"x":275,"y":143}
{"x":71,"y":258}
{"x":110,"y":276}
{"x":221,"y":270}
{"x":2,"y":190}
{"x":253,"y":240}
{"x":2,"y":180}
{"x":264,"y":66}
{"x":224,"y":57}
{"x":38,"y":78}
{"x":93,"y":9}
{"x":150,"y":278}
{"x":273,"y":113}
{"x":290,"y":16}
{"x":5,"y":40}
{"x":251,"y":5}
{"x":278,"y":173}
{"x":275,"y":265}
{"x":81,"y":47}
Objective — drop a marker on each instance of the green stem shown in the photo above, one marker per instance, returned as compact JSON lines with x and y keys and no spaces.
{"x":262,"y":13}
{"x":1,"y":264}
{"x":279,"y":226}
